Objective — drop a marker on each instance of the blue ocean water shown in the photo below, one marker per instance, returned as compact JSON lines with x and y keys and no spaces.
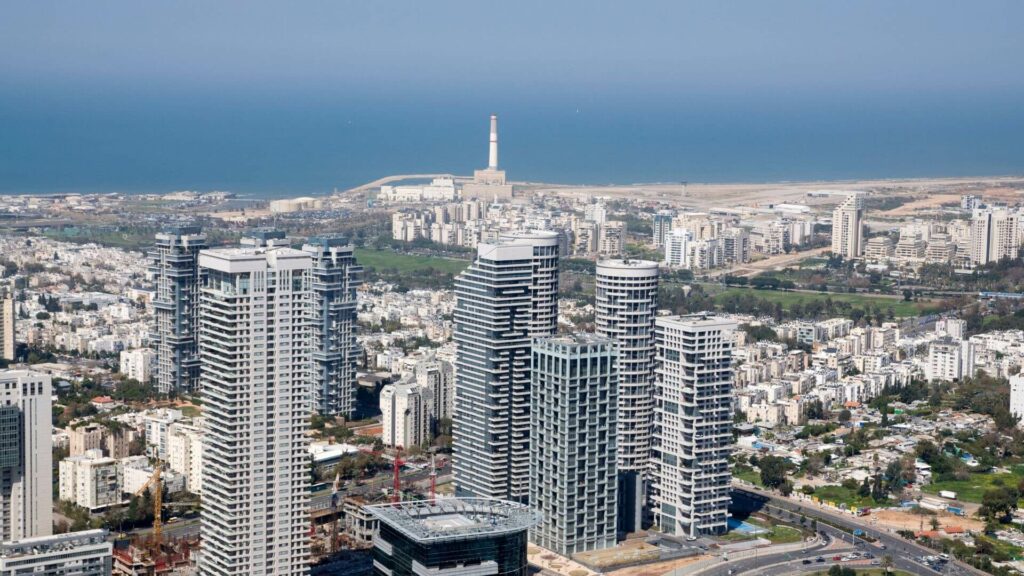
{"x":270,"y":147}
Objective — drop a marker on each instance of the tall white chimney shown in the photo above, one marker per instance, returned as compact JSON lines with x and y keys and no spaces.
{"x":493,"y":158}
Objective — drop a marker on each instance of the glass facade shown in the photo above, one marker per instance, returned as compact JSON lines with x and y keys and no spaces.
{"x":507,"y":550}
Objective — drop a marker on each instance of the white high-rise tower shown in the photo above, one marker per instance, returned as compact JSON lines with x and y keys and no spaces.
{"x":627,"y":304}
{"x":254,"y":344}
{"x":492,"y":158}
{"x":26,"y":453}
{"x":693,"y":412}
{"x":508,"y":296}
{"x":848,"y":227}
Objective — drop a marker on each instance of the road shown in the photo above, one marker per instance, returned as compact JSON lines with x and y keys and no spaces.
{"x":905,"y":554}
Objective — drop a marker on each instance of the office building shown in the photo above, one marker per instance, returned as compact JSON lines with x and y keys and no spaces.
{"x":174,"y":269}
{"x":848,"y":227}
{"x":573,"y":480}
{"x":693,"y":411}
{"x":405,"y":415}
{"x":506,"y":297}
{"x":7,"y":320}
{"x":336,"y":276}
{"x":86,"y":553}
{"x":452,"y":537}
{"x":626,"y":302}
{"x":254,"y":339}
{"x":26,"y":470}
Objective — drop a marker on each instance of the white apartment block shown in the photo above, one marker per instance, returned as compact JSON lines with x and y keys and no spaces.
{"x":945,"y":361}
{"x":1017,"y":398}
{"x":437,"y":376}
{"x":138,"y":364}
{"x":158,"y":423}
{"x":135,"y":471}
{"x":693,"y":411}
{"x":90,"y":480}
{"x":995,"y":234}
{"x":26,"y":471}
{"x":848,"y":228}
{"x":7,"y":320}
{"x":185,"y":455}
{"x":405,"y":415}
{"x":254,"y":343}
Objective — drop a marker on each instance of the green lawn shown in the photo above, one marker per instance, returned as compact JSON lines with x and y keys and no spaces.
{"x":972,"y":489}
{"x":778,"y":533}
{"x":787,"y":299}
{"x":841,"y":495}
{"x":381,"y":259}
{"x":191,"y":411}
{"x":747,"y":473}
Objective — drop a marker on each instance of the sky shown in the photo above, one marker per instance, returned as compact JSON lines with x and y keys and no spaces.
{"x":300,"y":97}
{"x":523,"y":49}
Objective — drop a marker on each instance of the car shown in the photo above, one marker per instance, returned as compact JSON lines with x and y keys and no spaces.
{"x":806,"y":561}
{"x":819,"y":559}
{"x":876,"y":562}
{"x":691,"y":538}
{"x":882,"y":546}
{"x":837,"y":558}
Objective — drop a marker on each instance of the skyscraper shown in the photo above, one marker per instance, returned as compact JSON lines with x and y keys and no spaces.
{"x":335,"y":280}
{"x":254,"y":334}
{"x":506,"y":297}
{"x":627,"y":303}
{"x":26,"y":467}
{"x":7,"y":319}
{"x":848,"y":227}
{"x":692,"y":424}
{"x":662,"y":226}
{"x":173,"y":265}
{"x":573,"y":482}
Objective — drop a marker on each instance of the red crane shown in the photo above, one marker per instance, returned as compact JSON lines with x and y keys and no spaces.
{"x":396,"y":495}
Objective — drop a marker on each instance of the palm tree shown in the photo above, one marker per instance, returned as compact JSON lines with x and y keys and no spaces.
{"x":887,"y":563}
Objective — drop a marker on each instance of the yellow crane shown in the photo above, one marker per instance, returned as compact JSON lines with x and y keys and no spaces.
{"x":158,"y":494}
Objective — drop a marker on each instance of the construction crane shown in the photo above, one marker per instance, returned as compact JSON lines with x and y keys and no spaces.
{"x":158,"y":495}
{"x":396,"y":495}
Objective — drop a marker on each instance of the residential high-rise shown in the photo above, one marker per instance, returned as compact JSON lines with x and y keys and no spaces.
{"x":86,"y":553}
{"x":438,"y":377}
{"x":336,"y":276}
{"x":848,"y":227}
{"x":662,"y":226}
{"x":254,"y":335}
{"x":573,"y":481}
{"x":544,"y":282}
{"x":452,"y":537}
{"x":173,"y":266}
{"x":506,"y":297}
{"x":1017,"y":398}
{"x":995,"y":234}
{"x":7,"y":320}
{"x":693,"y":410}
{"x":405,"y":414}
{"x":626,"y":304}
{"x":612,"y":239}
{"x":26,"y":460}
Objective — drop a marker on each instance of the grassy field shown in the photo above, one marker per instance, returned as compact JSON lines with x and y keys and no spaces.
{"x":747,"y":473}
{"x":778,"y":533}
{"x":381,"y":259}
{"x":972,"y":489}
{"x":841,"y":495}
{"x":787,"y":299}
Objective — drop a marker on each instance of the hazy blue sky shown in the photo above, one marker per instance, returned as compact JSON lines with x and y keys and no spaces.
{"x":289,"y":97}
{"x":518,"y":49}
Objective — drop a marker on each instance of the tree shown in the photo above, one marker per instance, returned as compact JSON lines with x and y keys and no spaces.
{"x":835,"y":570}
{"x":773,"y":471}
{"x":786,"y":488}
{"x":887,"y":563}
{"x":998,"y":504}
{"x":845,"y":415}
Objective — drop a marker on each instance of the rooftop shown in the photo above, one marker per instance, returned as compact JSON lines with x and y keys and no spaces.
{"x":452,"y":519}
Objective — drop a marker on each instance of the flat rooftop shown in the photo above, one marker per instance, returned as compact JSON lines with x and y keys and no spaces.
{"x":452,"y":519}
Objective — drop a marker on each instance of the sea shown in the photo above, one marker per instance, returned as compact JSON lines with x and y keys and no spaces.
{"x":303,"y":145}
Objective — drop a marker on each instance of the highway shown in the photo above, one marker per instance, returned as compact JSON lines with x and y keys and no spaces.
{"x":905,"y":554}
